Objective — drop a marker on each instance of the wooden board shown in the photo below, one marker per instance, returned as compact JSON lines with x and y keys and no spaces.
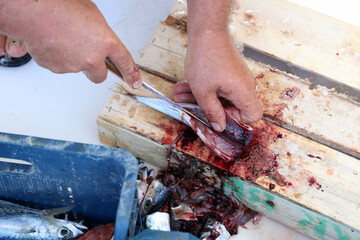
{"x":327,"y":208}
{"x":337,"y":121}
{"x":294,"y":33}
{"x":131,"y":125}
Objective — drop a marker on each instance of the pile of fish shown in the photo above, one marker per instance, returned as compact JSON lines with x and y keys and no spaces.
{"x":19,"y":222}
{"x":188,"y":198}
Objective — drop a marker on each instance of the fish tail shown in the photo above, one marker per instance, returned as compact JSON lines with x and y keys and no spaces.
{"x":123,"y":91}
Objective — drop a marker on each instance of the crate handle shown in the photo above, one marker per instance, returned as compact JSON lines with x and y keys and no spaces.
{"x":15,"y":165}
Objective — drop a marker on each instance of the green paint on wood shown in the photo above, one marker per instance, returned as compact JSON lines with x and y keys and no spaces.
{"x":314,"y":224}
{"x":257,"y":196}
{"x":318,"y":226}
{"x":339,"y":233}
{"x":239,"y":188}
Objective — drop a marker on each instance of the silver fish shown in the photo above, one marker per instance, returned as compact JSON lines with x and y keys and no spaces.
{"x":155,"y":198}
{"x":228,"y":145}
{"x":142,"y":184}
{"x":19,"y":222}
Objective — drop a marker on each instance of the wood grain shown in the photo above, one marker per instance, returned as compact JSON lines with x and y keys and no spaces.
{"x":320,"y":114}
{"x":294,"y":33}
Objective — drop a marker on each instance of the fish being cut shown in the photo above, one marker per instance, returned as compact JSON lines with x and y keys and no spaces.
{"x":228,"y":144}
{"x":19,"y":222}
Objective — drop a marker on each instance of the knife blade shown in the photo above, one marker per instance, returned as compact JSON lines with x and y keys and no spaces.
{"x":116,"y":71}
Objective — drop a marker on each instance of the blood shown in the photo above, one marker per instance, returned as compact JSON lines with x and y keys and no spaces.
{"x":133,"y":127}
{"x":189,"y":137}
{"x":255,"y":161}
{"x":313,"y":181}
{"x":103,"y":232}
{"x":312,"y":156}
{"x":259,"y":76}
{"x":271,"y":186}
{"x":171,"y":128}
{"x":289,"y":154}
{"x":290,"y":94}
{"x":259,"y":160}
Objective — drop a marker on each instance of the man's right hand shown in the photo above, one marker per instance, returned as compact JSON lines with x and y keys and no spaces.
{"x":69,"y":36}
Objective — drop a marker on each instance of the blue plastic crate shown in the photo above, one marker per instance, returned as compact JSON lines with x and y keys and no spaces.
{"x":161,"y":235}
{"x":99,"y":181}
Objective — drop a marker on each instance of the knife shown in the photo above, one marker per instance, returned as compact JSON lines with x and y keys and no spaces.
{"x":116,"y":71}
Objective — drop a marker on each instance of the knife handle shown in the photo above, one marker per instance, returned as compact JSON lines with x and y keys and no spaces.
{"x":113,"y":68}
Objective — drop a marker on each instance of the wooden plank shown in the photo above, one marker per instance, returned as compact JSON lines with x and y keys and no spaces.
{"x":268,"y":203}
{"x":294,"y":33}
{"x":165,"y":53}
{"x":302,"y":219}
{"x":131,"y":125}
{"x":321,"y":197}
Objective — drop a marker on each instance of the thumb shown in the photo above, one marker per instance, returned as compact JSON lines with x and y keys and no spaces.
{"x":213,"y":110}
{"x":123,"y":60}
{"x":250,"y":107}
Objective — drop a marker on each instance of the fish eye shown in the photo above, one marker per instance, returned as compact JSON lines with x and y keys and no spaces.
{"x":32,"y":230}
{"x":148,"y":203}
{"x":174,"y":204}
{"x":64,"y":232}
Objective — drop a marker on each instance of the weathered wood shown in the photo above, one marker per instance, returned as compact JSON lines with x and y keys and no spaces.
{"x":302,"y":219}
{"x":131,"y":125}
{"x":325,"y":209}
{"x":320,"y":114}
{"x":294,"y":33}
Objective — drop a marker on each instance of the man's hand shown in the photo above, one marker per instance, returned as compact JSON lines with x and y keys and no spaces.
{"x":215,"y":68}
{"x":68,"y":36}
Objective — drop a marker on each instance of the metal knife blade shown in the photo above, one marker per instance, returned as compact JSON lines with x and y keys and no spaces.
{"x":116,"y":71}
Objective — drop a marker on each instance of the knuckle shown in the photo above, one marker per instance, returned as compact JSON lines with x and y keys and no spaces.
{"x":90,"y":62}
{"x":111,"y":42}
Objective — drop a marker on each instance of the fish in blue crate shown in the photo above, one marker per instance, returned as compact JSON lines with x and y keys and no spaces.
{"x":19,"y":222}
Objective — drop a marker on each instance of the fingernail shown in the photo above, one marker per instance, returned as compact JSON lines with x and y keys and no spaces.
{"x":216,"y":126}
{"x":245,"y":119}
{"x":137,"y":83}
{"x":14,"y":44}
{"x":236,"y":114}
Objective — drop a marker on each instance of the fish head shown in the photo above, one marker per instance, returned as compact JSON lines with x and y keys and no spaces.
{"x":67,"y":229}
{"x":155,"y":198}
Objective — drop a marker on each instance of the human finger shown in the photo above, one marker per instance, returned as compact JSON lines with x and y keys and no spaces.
{"x":250,"y":107}
{"x":213,"y":110}
{"x":181,"y":87}
{"x":123,"y":60}
{"x":185,"y":98}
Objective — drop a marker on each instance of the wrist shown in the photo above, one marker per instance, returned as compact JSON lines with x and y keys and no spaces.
{"x":209,"y":38}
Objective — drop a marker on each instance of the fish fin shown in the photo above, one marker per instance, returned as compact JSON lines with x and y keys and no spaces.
{"x":55,"y":211}
{"x":122,"y":90}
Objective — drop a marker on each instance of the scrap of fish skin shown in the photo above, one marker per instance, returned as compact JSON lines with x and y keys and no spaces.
{"x":19,"y":222}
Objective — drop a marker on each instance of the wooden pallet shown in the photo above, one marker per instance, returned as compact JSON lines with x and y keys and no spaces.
{"x":319,"y":129}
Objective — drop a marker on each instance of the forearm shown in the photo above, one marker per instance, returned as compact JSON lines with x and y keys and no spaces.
{"x":208,"y":16}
